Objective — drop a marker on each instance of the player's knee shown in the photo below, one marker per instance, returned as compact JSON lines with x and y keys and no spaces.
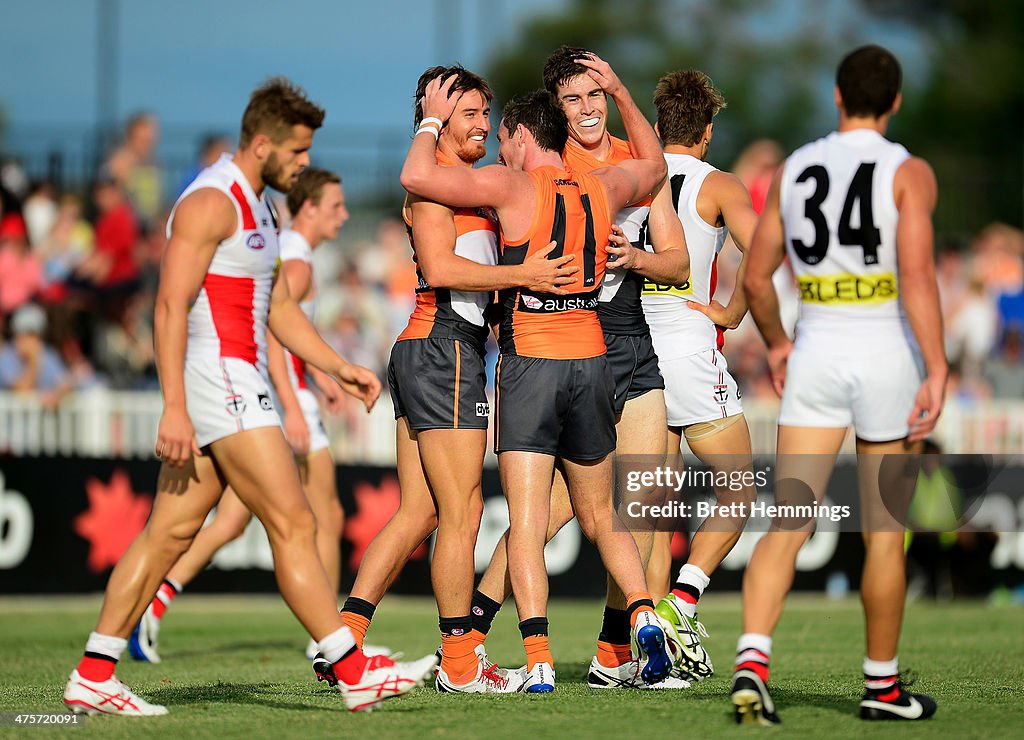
{"x":332,"y":521}
{"x":296,"y":523}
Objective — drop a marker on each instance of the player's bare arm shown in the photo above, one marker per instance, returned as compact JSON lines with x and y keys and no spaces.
{"x":465,"y":187}
{"x":299,"y":277}
{"x":291,"y":327}
{"x":648,"y":169}
{"x":669,"y":264}
{"x":201,"y":222}
{"x":916,"y":191}
{"x":766,"y":252}
{"x":732,"y":202}
{"x":433,"y":229}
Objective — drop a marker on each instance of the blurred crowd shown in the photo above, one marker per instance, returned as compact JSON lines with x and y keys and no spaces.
{"x":79,"y":270}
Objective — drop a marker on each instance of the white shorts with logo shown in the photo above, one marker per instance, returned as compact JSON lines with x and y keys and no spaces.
{"x":699,"y":388}
{"x":871,"y":390}
{"x":311,"y":413}
{"x":225,"y":396}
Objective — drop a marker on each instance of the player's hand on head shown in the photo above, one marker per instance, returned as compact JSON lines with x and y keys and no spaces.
{"x":297,"y":433}
{"x":715,"y":311}
{"x":439,"y":99}
{"x":602,"y":73}
{"x":927,"y":407}
{"x":778,"y":358}
{"x":546,"y":275}
{"x":176,"y":438}
{"x":359,"y":382}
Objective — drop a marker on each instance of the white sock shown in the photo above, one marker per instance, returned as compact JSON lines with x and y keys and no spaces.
{"x":106,"y":645}
{"x":337,"y":644}
{"x":879,"y":674}
{"x":753,"y":641}
{"x":696,"y":578}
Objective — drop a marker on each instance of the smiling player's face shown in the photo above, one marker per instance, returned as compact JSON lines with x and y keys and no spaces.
{"x":465,"y":135}
{"x":586,"y":107}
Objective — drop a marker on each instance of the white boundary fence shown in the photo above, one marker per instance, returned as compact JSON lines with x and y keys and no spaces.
{"x":100,"y":423}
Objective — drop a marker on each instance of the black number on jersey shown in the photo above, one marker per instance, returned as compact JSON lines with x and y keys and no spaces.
{"x":589,"y":240}
{"x":867,"y":236}
{"x":676,"y":183}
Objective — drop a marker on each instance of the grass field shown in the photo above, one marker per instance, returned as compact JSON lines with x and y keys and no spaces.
{"x":233,"y":668}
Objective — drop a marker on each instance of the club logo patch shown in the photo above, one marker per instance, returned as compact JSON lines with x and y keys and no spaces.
{"x":235,"y":405}
{"x":483,"y":409}
{"x":721,"y":394}
{"x":255,"y":241}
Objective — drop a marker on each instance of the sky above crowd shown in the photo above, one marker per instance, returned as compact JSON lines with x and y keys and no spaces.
{"x":195,"y":61}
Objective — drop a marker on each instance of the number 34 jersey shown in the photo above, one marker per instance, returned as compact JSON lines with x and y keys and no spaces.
{"x":839,"y":217}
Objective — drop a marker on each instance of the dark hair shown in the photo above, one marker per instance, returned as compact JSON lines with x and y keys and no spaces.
{"x":309,"y":186}
{"x":274,"y":107}
{"x":686,"y":103}
{"x":541,"y":115}
{"x":562,"y":65}
{"x":465,"y":82}
{"x":869,"y":78}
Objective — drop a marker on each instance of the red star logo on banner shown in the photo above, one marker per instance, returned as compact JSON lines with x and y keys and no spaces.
{"x":114,"y":518}
{"x":375,"y":505}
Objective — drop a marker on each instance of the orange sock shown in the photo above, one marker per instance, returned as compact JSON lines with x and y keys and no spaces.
{"x":612,"y":656}
{"x":537,"y":651}
{"x":477,"y":636}
{"x":636,"y":602}
{"x":358,"y":624}
{"x":458,"y":660}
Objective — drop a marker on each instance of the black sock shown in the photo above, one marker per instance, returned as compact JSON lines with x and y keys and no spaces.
{"x":631,"y":608}
{"x":455,"y":626}
{"x":359,"y":606}
{"x":483,"y":612}
{"x":534,"y":627}
{"x":687,"y":588}
{"x":615,"y":628}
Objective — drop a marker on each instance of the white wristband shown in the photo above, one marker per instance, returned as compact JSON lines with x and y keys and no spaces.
{"x":429,"y":130}
{"x":438,"y":121}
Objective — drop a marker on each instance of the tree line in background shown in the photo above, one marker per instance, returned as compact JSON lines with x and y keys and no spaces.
{"x":775,"y":60}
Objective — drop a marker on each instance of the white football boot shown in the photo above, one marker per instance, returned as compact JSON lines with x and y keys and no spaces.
{"x":83,"y":696}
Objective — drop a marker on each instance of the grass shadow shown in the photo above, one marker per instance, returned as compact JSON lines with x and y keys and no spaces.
{"x":231,"y":693}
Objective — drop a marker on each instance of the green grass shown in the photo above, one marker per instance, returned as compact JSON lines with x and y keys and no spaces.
{"x":233,"y":668}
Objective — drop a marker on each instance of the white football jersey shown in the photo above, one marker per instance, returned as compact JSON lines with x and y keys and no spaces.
{"x":676,"y":329}
{"x":229,"y":316}
{"x":295,"y":247}
{"x":839,"y":217}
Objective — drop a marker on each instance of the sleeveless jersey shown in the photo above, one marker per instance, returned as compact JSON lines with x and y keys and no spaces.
{"x":458,"y":314}
{"x":678,"y":330}
{"x":839,"y":217}
{"x":229,"y":316}
{"x":618,"y":305}
{"x":295,"y":247}
{"x":572,"y":210}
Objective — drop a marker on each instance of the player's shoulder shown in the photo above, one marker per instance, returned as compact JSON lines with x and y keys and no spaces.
{"x":294,"y":246}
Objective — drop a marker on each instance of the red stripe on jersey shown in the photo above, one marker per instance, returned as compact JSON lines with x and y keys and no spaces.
{"x":248,"y":222}
{"x":720,"y":341}
{"x":299,"y":366}
{"x":231,"y":306}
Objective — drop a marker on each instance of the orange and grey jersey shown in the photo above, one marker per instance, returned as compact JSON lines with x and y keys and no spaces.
{"x":839,"y":217}
{"x":229,"y":316}
{"x":571,"y":210}
{"x":618,"y":305}
{"x":458,"y":314}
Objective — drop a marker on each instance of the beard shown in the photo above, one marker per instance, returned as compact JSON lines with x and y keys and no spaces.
{"x":273,"y":174}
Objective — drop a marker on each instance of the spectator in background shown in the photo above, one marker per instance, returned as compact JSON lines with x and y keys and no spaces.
{"x":27,"y":364}
{"x":112,"y":266}
{"x":69,"y":244}
{"x":21,"y":275}
{"x":40,"y":212}
{"x":211,"y":148}
{"x":124,"y":345}
{"x":132,"y":165}
{"x":1005,"y":372}
{"x":971,"y":333}
{"x":756,"y":166}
